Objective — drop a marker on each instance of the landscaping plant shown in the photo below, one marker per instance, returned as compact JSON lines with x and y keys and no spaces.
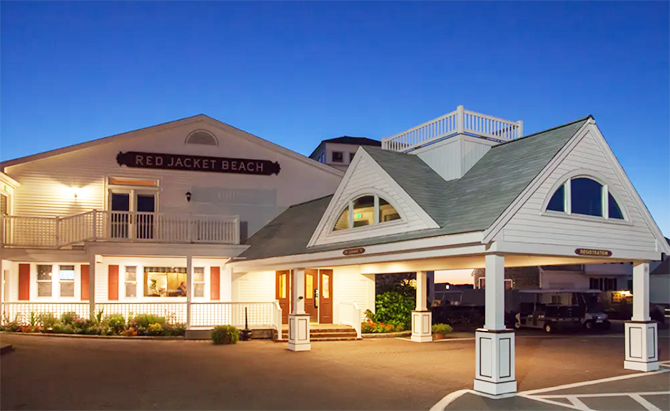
{"x":225,"y":334}
{"x":440,"y":330}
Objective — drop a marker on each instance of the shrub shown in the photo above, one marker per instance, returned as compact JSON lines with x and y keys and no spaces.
{"x":130,"y":332}
{"x":225,"y":334}
{"x":68,"y":329}
{"x":442,"y":329}
{"x":116,"y":322}
{"x":57,"y":327}
{"x":82,"y":325}
{"x":394,"y":307}
{"x":379,"y":327}
{"x":68,"y":317}
{"x":47,"y":320}
{"x":144,"y":320}
{"x":155,"y":329}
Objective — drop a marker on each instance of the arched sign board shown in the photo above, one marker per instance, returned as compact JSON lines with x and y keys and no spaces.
{"x":182,"y":162}
{"x":593,"y":253}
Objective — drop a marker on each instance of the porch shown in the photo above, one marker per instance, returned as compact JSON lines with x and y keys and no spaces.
{"x":119,"y":226}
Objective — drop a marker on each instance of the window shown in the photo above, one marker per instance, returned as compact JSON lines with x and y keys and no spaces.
{"x":585,"y":196}
{"x":199,"y":281}
{"x":165,"y":282}
{"x":338,"y":157}
{"x":556,"y":299}
{"x":4,"y":204}
{"x":44,"y":281}
{"x":131,"y":282}
{"x":364,"y":211}
{"x":322,"y":158}
{"x":202,"y":137}
{"x":325,"y":283}
{"x":509,"y":283}
{"x":603,"y":284}
{"x":66,"y":280}
{"x":351,"y":157}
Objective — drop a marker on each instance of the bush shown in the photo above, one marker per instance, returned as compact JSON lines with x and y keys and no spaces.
{"x":82,"y":325}
{"x":442,"y":329}
{"x":379,"y":327}
{"x":225,"y":334}
{"x":178,"y":329}
{"x":47,"y":320}
{"x":155,"y":329}
{"x":116,"y":322}
{"x":57,"y":327}
{"x":144,"y":320}
{"x":393,"y":307}
{"x":68,"y":329}
{"x":68,"y":318}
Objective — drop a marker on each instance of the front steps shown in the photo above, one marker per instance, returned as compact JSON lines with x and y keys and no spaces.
{"x":327,"y":333}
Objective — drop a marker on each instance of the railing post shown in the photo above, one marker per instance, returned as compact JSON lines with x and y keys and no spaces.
{"x":189,"y":289}
{"x":236,"y":240}
{"x":57,"y":231}
{"x":95,"y":225}
{"x":520,"y":128}
{"x":460,"y":117}
{"x":189,"y":224}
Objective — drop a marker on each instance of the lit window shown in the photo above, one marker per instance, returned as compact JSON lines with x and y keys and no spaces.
{"x":325,"y":283}
{"x":199,"y":281}
{"x":44,"y":281}
{"x":66,"y":280}
{"x":585,"y":196}
{"x":165,"y":282}
{"x":366,"y":210}
{"x":131,"y":282}
{"x":338,"y":157}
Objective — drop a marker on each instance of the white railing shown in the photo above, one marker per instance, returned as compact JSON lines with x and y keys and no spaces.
{"x":203,"y":314}
{"x":460,"y":121}
{"x":350,"y":314}
{"x":22,"y":231}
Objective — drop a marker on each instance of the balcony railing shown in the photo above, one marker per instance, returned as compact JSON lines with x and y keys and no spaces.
{"x":460,"y":121}
{"x":55,"y":232}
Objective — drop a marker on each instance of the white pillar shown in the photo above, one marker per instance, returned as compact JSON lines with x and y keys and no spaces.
{"x":421,"y":317}
{"x":431,"y":287}
{"x":641,"y":336}
{"x":298,"y":320}
{"x":189,"y":289}
{"x":92,"y":262}
{"x":494,"y":365}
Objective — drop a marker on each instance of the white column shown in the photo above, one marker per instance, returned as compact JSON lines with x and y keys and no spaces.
{"x":431,"y":287}
{"x":189,"y":289}
{"x":298,"y":320}
{"x":641,"y":336}
{"x":494,"y":353}
{"x":421,"y":317}
{"x":92,"y":262}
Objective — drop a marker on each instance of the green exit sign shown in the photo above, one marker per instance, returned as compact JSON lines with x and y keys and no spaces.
{"x":359,"y":216}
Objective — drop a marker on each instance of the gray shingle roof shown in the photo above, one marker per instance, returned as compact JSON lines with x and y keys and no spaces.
{"x":471,"y":203}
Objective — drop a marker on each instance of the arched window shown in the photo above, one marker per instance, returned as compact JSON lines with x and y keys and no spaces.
{"x":202,"y":137}
{"x":585,"y":196}
{"x":364,"y":211}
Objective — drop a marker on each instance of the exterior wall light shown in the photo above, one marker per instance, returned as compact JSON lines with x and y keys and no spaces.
{"x":188,"y":196}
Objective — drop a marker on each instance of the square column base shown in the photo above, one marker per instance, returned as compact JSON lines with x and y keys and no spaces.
{"x":422,"y":323}
{"x":494,"y":372}
{"x":298,"y":332}
{"x":641,"y":346}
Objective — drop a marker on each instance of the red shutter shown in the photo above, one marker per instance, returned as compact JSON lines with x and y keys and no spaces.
{"x":84,"y":282}
{"x":113,"y":282}
{"x":24,"y":282}
{"x":215,"y":282}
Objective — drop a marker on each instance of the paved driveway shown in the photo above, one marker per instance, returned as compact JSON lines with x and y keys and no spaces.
{"x":73,"y":373}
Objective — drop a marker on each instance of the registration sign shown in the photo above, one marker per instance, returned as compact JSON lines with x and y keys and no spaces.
{"x":593,"y":253}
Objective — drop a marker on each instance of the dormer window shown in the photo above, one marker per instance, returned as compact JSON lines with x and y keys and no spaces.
{"x":585,"y":196}
{"x":365,"y":211}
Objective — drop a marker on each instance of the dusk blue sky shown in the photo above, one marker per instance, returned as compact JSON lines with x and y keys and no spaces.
{"x":297,"y":73}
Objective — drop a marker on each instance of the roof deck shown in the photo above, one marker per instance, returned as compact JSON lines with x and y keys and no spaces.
{"x":460,"y":121}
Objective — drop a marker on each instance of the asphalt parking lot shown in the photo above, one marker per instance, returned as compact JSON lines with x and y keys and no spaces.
{"x":393,"y":374}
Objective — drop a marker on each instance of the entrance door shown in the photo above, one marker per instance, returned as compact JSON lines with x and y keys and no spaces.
{"x":120,"y":216}
{"x":312,"y":294}
{"x":326,"y":297}
{"x":132,"y":214}
{"x":146,"y":207}
{"x":283,"y":293}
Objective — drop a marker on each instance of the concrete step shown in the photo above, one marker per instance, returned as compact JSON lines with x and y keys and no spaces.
{"x":333,"y":339}
{"x":317,"y":333}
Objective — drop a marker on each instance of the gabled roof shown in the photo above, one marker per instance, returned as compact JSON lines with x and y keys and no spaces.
{"x":471,"y":203}
{"x":663,"y":268}
{"x":172,"y":124}
{"x":354,"y":141}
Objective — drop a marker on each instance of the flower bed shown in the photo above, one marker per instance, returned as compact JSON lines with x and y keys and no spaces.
{"x":114,"y":324}
{"x":370,"y":326}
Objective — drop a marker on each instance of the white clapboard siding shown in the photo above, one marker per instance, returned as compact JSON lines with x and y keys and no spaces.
{"x":351,"y":286}
{"x":367,"y":177}
{"x":529,"y":226}
{"x":453,"y":157}
{"x":46,"y":184}
{"x":255,"y":286}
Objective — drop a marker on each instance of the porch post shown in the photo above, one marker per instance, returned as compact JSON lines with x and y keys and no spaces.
{"x":189,"y":289}
{"x":298,"y":320}
{"x":421,"y":317}
{"x":641,"y":333}
{"x":92,"y":261}
{"x":494,"y":366}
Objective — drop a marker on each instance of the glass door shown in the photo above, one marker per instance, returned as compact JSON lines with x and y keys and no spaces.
{"x":146,"y":207}
{"x":120,"y":214}
{"x":132,"y":214}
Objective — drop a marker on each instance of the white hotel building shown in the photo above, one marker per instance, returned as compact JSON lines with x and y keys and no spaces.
{"x":119,"y":223}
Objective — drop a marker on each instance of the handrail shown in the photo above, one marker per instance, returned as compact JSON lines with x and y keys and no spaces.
{"x":353,"y":318}
{"x":278,"y":320}
{"x":460,"y":121}
{"x":106,"y":225}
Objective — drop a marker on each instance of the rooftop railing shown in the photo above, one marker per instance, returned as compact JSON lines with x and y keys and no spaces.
{"x":460,"y":121}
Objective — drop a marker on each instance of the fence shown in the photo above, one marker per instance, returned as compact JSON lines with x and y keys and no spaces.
{"x":350,"y":314}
